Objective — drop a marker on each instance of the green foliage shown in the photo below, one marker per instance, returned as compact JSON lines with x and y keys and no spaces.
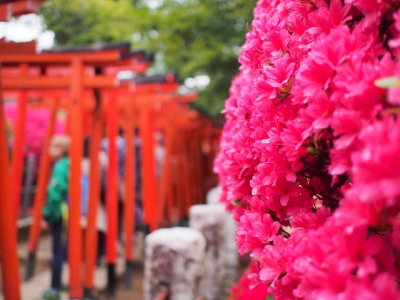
{"x":91,"y":21}
{"x":193,"y":37}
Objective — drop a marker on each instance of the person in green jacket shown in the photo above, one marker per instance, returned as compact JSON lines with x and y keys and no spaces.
{"x":55,"y":211}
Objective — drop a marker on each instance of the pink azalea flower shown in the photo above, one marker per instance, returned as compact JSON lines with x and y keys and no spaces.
{"x":35,"y":127}
{"x":306,"y":221}
{"x":279,"y":73}
{"x":263,"y":228}
{"x":310,"y":148}
{"x":274,"y":260}
{"x":381,"y":144}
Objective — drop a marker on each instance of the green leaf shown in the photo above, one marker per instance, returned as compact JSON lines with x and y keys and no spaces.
{"x":237,"y":202}
{"x":388,"y":82}
{"x":313,"y":150}
{"x":269,"y":297}
{"x":191,"y":37}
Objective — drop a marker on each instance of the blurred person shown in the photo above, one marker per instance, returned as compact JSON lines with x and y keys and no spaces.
{"x":159,"y":153}
{"x":55,"y":211}
{"x":139,"y":225}
{"x":85,"y":167}
{"x":121,"y":145}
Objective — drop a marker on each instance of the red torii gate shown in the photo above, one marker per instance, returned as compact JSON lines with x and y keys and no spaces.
{"x":16,"y":8}
{"x":191,"y":140}
{"x":8,"y":234}
{"x":78,"y":80}
{"x":49,"y":75}
{"x":139,"y":104}
{"x":145,"y":111}
{"x":143,"y":102}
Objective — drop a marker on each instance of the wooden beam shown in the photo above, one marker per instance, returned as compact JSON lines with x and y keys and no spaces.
{"x":149,"y":180}
{"x":14,"y":48}
{"x":24,"y":7}
{"x":9,"y":1}
{"x":94,"y":197}
{"x":5,"y":12}
{"x":65,"y":58}
{"x":112,"y":181}
{"x":112,"y":194}
{"x":8,"y":229}
{"x":18,"y":154}
{"x":48,"y":82}
{"x":155,"y":87}
{"x":130,"y":192}
{"x":133,"y":66}
{"x":76,"y":153}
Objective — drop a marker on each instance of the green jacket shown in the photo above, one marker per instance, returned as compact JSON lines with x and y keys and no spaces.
{"x":57,"y":191}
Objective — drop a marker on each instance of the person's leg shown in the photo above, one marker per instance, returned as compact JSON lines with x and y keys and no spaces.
{"x":101,"y":251}
{"x":120,"y":214}
{"x":58,"y":256}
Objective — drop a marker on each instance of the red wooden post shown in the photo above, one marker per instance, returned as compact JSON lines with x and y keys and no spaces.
{"x":129,"y":188}
{"x":181,"y":174}
{"x":41,"y":191}
{"x":188,"y":163}
{"x":130,"y":192}
{"x":8,"y":231}
{"x":112,"y":191}
{"x":18,"y":155}
{"x":180,"y":193}
{"x":94,"y":196}
{"x":75,"y":233}
{"x":185,"y":180}
{"x":172,"y":201}
{"x":149,"y":169}
{"x":166,"y":203}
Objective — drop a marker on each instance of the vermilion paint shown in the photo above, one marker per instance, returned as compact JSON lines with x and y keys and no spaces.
{"x":76,"y":153}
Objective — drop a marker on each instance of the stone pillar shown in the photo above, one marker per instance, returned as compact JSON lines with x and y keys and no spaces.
{"x":210,"y":220}
{"x":174,"y":259}
{"x":213,"y":195}
{"x":231,"y":257}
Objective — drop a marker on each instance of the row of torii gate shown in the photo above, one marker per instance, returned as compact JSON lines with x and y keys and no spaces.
{"x":83,"y":80}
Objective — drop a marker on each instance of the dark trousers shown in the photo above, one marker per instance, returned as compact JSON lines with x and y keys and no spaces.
{"x":101,"y":245}
{"x":59,"y":248}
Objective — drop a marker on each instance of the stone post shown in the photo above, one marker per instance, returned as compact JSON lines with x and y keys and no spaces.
{"x":210,"y":221}
{"x":231,"y":257}
{"x":213,"y":195}
{"x":174,"y":260}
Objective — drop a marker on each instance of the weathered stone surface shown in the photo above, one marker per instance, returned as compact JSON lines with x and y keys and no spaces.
{"x":174,"y":259}
{"x":231,"y":257}
{"x":213,"y":195}
{"x":210,"y":220}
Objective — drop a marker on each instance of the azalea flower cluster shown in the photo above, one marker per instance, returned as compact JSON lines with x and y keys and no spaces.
{"x":35,"y":127}
{"x":309,"y":161}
